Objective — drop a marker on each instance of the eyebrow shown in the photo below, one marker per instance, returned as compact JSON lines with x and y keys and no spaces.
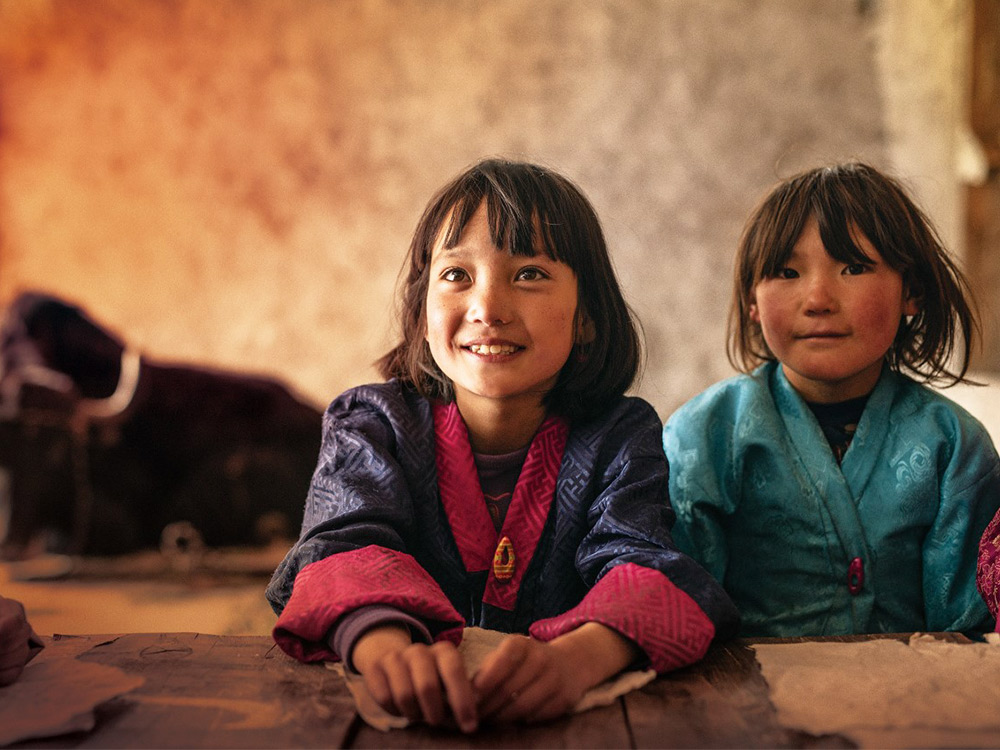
{"x":458,"y":251}
{"x":446,"y":251}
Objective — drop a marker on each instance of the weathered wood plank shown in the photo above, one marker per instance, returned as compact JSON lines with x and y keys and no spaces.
{"x":720,"y":702}
{"x":214,"y":691}
{"x":243,"y":692}
{"x":603,"y":727}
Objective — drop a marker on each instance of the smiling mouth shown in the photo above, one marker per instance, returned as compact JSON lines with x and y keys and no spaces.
{"x":493,"y":349}
{"x":822,"y":336}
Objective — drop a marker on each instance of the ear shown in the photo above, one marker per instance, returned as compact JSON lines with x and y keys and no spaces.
{"x":911,"y":306}
{"x":753,"y":311}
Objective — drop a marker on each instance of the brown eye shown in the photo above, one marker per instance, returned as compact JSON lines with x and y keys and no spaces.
{"x":788,"y":273}
{"x":454,"y":274}
{"x":530,"y":274}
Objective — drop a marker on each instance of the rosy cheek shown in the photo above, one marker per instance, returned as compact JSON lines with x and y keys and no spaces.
{"x":879,"y":315}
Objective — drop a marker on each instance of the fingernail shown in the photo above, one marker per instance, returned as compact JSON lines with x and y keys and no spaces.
{"x":469,"y":725}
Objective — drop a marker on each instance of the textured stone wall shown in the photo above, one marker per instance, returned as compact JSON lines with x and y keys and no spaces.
{"x":235,"y":183}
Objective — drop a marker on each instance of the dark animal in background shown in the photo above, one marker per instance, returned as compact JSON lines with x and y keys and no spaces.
{"x":101,"y":449}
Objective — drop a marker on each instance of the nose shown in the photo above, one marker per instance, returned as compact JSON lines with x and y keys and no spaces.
{"x":820,"y":295}
{"x":490,"y":304}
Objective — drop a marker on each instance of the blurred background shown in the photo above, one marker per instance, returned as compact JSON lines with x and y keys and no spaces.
{"x":233,"y":184}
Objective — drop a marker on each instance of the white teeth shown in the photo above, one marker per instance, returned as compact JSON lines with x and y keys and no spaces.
{"x":492,"y":348}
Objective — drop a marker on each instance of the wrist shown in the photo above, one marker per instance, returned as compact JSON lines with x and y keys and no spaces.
{"x":373,"y":644}
{"x":596,"y":651}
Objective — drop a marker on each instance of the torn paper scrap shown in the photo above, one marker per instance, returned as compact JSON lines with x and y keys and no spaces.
{"x":887,"y":692}
{"x":54,"y":697}
{"x":476,"y":644}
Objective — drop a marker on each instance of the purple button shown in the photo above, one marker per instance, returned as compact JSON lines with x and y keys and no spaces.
{"x":856,"y":576}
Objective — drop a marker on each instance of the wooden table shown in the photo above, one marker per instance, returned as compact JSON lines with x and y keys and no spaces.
{"x":239,"y":691}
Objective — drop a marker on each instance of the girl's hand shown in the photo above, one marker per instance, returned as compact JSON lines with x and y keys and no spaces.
{"x":526,"y":680}
{"x":14,"y":635}
{"x":529,"y":680}
{"x":420,"y":682}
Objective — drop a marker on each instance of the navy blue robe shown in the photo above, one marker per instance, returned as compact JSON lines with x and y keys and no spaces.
{"x":377,"y":485}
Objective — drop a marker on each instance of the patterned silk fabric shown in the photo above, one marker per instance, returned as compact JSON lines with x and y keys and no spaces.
{"x":884,"y":542}
{"x":377,"y":486}
{"x":988,"y":569}
{"x":466,"y":508}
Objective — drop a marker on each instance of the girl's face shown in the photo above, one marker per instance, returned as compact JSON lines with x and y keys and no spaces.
{"x":500,"y":326}
{"x":830,"y":324}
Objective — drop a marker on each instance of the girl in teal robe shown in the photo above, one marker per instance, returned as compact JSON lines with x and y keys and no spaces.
{"x":826,"y":488}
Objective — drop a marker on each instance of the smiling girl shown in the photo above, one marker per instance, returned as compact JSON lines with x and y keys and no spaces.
{"x":828,"y":489}
{"x":499,"y":478}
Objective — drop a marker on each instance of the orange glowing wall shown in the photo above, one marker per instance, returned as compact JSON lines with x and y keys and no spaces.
{"x":186,"y":171}
{"x":234,"y":182}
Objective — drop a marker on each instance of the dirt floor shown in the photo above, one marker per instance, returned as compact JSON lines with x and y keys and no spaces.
{"x":222,"y":593}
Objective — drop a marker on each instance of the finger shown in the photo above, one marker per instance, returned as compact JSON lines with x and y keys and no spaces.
{"x":522,"y":700}
{"x":521,"y":683}
{"x":501,"y":697}
{"x":519,"y":666}
{"x":458,"y":687}
{"x":404,"y":698}
{"x":540,"y":700}
{"x":499,"y":666}
{"x":378,"y":687}
{"x":426,"y":682}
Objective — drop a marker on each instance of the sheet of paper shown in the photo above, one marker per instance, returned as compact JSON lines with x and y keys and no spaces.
{"x":57,"y":694}
{"x":888,"y":693}
{"x":476,"y":644}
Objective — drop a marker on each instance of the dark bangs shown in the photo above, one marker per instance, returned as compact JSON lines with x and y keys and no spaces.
{"x":526,"y":209}
{"x":840,"y":210}
{"x":855,"y":198}
{"x":847,"y":201}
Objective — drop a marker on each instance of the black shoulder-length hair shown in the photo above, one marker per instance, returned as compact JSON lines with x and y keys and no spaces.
{"x":530,"y":209}
{"x":847,"y":199}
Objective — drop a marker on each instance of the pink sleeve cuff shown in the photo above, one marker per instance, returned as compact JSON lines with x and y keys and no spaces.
{"x":326,"y":590}
{"x":645,"y":606}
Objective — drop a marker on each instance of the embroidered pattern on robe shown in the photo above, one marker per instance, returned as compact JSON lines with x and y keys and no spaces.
{"x":762,"y":503}
{"x":376,"y":484}
{"x":988,"y":569}
{"x":465,"y":505}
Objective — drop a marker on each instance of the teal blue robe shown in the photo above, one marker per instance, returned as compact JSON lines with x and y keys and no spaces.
{"x":884,"y":542}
